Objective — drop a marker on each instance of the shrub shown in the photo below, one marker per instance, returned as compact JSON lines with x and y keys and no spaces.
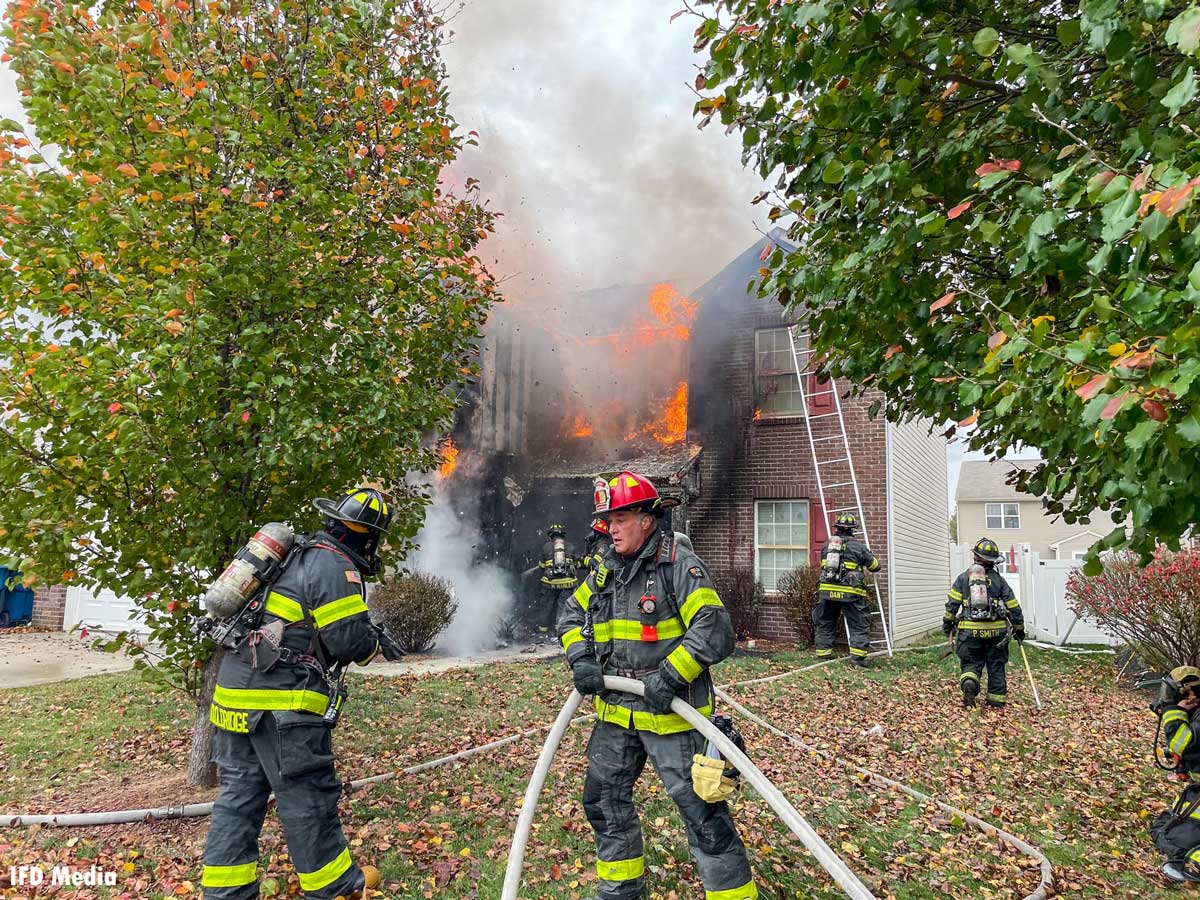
{"x":798,"y":591}
{"x":1155,"y":609}
{"x":413,"y":608}
{"x":744,"y":596}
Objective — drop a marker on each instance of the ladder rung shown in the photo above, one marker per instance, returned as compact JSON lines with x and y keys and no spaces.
{"x":830,"y":462}
{"x":841,"y":509}
{"x":828,"y":393}
{"x":832,"y":437}
{"x":830,"y":487}
{"x":821,"y":416}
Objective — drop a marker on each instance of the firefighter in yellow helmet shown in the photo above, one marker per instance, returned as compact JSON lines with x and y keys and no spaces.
{"x":649,"y":611}
{"x":1176,"y":832}
{"x":279,"y":695}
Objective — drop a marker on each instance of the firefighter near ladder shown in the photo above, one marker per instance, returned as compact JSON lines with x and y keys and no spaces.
{"x":982,"y":610}
{"x":291,"y":615}
{"x":649,"y":612}
{"x":843,"y":592}
{"x":1176,"y":832}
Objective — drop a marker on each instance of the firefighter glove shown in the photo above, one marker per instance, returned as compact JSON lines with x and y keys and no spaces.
{"x":660,"y":691}
{"x":587,"y":674}
{"x":1019,"y":633}
{"x":390,"y":649}
{"x":709,"y":781}
{"x":947,"y":628}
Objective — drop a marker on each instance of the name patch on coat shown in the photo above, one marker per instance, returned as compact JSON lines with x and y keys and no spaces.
{"x":353,"y":577}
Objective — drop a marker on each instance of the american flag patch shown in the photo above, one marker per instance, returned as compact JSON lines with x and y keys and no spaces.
{"x":353,"y":577}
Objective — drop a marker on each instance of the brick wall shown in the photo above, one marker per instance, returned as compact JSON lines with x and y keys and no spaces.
{"x":49,"y":607}
{"x":746,"y":460}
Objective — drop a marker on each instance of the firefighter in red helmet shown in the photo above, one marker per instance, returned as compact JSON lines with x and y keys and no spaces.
{"x":597,"y":544}
{"x":649,"y":611}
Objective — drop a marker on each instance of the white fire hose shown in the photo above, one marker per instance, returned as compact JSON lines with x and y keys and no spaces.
{"x":830,"y":861}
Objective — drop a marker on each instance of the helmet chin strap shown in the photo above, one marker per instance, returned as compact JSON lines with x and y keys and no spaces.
{"x":361,"y":544}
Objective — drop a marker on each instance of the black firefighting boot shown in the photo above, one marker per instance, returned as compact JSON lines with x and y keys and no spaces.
{"x":371,"y":879}
{"x":970,"y":689}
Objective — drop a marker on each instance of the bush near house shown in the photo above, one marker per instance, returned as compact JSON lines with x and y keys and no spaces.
{"x":744,"y":596}
{"x":413,"y":608}
{"x":1155,"y":609}
{"x":798,"y":591}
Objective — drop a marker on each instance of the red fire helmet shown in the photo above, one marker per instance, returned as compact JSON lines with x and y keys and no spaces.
{"x":599,"y":526}
{"x":627,"y":491}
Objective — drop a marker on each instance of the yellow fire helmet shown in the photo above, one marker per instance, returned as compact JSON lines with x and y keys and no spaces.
{"x":1186,"y":676}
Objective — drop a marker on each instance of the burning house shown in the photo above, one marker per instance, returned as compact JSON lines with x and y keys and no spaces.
{"x":701,"y":394}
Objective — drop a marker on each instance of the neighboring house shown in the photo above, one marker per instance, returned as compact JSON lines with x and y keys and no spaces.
{"x":988,"y":505}
{"x":759,"y":504}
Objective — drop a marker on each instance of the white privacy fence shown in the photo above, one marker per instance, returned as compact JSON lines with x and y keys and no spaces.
{"x":1041,"y":587}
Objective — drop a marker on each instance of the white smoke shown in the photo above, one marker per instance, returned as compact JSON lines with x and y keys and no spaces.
{"x":449,"y":542}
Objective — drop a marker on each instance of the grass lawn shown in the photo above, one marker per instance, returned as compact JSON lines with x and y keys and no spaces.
{"x":1074,"y":780}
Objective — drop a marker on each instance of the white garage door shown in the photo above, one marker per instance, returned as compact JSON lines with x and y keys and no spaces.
{"x":104,"y":610}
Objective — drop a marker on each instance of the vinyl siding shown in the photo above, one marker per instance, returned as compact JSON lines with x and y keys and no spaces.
{"x":919,"y":536}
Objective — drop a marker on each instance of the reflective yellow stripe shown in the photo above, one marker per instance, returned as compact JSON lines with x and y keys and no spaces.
{"x":998,"y":698}
{"x":696,"y":600}
{"x":560,"y":582}
{"x":339,"y":609}
{"x":949,"y":616}
{"x":854,"y":651}
{"x":748,"y":891}
{"x":965,"y":675}
{"x":1013,"y":603}
{"x":327,"y":874}
{"x":850,"y":565}
{"x":873,"y":566}
{"x":284,"y":607}
{"x":685,"y":664}
{"x":1183,"y":737}
{"x":583,"y":594}
{"x":821,"y":653}
{"x":671,"y":723}
{"x":229,"y":876}
{"x":241,"y":698}
{"x":843,"y":589}
{"x":981,"y":626}
{"x":374,"y":504}
{"x":574,"y":636}
{"x":631,"y":630}
{"x":622,"y":869}
{"x":955,"y":595}
{"x":1174,"y":715}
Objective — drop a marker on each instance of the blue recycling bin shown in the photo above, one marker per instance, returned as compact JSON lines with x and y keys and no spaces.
{"x":18,"y":610}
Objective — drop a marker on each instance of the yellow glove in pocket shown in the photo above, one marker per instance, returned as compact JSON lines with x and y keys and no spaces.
{"x":709,"y":781}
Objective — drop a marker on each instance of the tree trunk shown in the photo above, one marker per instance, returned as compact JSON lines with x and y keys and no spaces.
{"x":201,"y":772}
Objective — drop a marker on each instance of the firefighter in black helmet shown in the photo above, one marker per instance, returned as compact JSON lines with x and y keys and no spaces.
{"x":278,"y":696}
{"x":559,"y":567}
{"x":980,"y":607}
{"x":844,"y":562}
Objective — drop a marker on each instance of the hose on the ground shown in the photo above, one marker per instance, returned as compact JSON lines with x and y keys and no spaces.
{"x":1047,"y":873}
{"x":1070,"y":651}
{"x":830,"y":861}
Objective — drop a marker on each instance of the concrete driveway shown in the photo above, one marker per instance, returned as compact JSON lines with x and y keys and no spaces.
{"x":47,"y":657}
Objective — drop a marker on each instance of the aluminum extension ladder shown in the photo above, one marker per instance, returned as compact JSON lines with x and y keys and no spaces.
{"x":826,"y":466}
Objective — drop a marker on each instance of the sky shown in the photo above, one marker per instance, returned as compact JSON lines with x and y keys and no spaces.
{"x":588,"y":146}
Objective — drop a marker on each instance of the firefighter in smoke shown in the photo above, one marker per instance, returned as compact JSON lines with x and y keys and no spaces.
{"x":982,"y":608}
{"x":1176,"y":832}
{"x":558,"y":566}
{"x":649,"y":612}
{"x":844,"y":564}
{"x":278,"y":695}
{"x":597,"y":544}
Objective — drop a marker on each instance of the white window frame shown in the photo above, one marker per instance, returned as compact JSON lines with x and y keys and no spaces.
{"x":806,"y":549}
{"x":788,"y":371}
{"x":1002,"y":516}
{"x":1078,"y":555}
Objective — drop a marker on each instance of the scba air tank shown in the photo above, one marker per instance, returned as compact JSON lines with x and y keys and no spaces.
{"x":252,"y":565}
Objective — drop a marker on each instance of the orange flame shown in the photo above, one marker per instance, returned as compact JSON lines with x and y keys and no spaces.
{"x":449,"y":459}
{"x":582,"y":427}
{"x":758,"y":415}
{"x":671,"y":428}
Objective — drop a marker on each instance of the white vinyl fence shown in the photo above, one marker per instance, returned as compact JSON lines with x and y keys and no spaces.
{"x":1041,"y":587}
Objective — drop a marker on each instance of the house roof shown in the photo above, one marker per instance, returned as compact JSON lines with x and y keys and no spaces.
{"x":987,"y":479}
{"x":668,"y":465}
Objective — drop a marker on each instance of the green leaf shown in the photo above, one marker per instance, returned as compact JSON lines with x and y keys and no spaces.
{"x":834,"y":172}
{"x":1184,"y":31}
{"x":1188,"y":428}
{"x":1141,"y":434}
{"x":986,"y":41}
{"x":1183,"y":92}
{"x":1068,"y":31}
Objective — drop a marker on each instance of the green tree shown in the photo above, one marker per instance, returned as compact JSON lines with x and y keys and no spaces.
{"x":992,"y":206}
{"x":235,"y":281}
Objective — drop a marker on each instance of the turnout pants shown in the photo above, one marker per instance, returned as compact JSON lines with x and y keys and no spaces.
{"x":544,"y":614}
{"x":291,"y":755}
{"x":858,"y":623}
{"x":616,"y":758}
{"x":1176,"y":832}
{"x":976,"y":653}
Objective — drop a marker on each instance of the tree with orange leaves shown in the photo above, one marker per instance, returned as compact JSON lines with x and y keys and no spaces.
{"x":234,"y":282}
